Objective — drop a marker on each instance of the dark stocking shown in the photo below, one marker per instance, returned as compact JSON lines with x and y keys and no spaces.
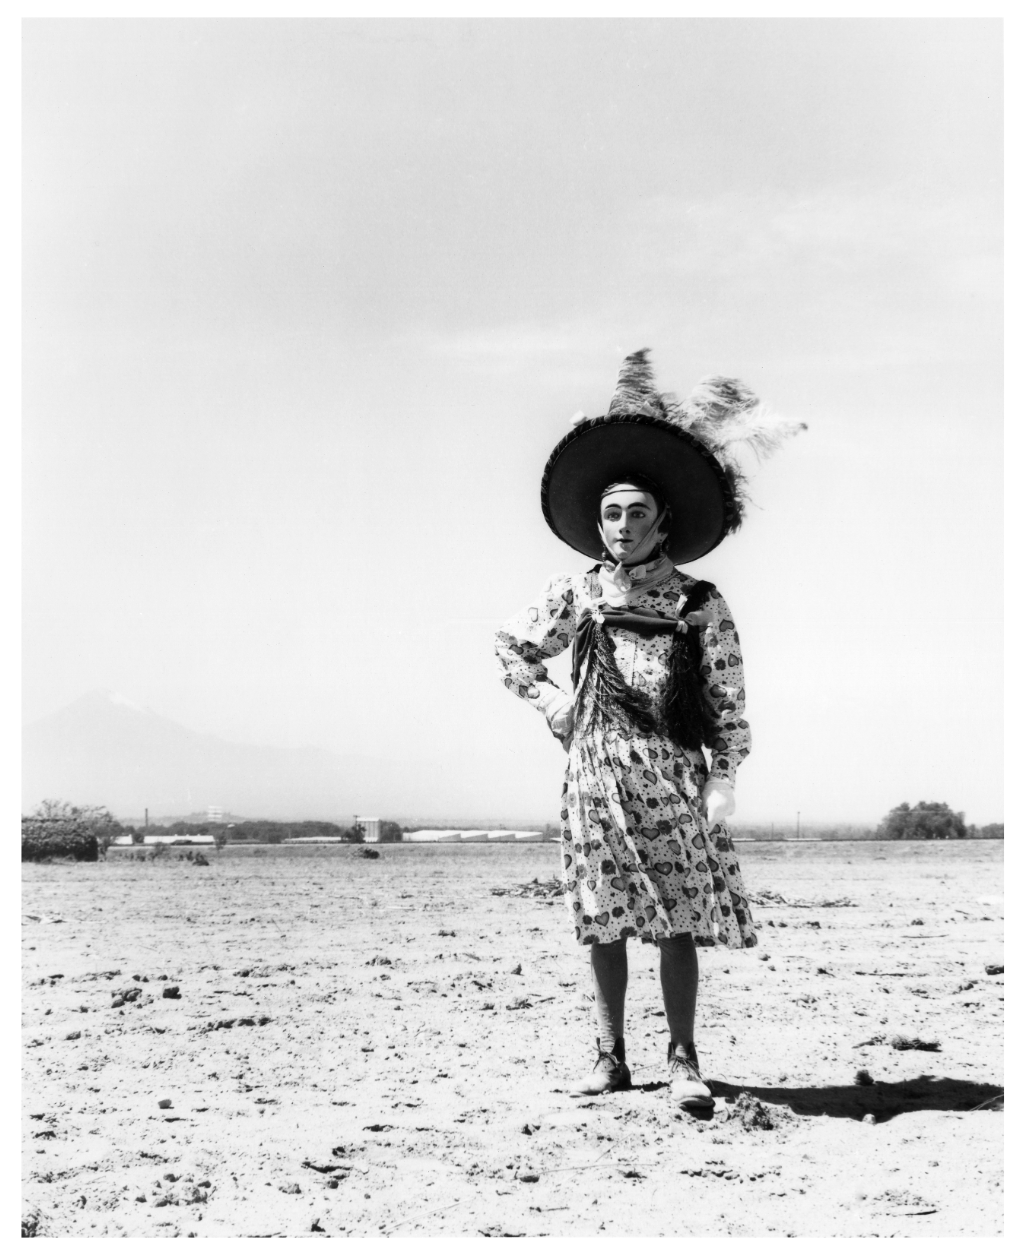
{"x":679,"y":975}
{"x":610,"y":968}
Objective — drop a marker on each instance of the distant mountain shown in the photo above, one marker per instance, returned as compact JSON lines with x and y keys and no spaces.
{"x":103,"y":750}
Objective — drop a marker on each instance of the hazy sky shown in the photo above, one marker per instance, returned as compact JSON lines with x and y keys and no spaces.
{"x":307,"y":304}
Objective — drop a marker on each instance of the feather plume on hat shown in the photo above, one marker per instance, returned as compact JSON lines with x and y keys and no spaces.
{"x":723,"y":413}
{"x":635,"y":392}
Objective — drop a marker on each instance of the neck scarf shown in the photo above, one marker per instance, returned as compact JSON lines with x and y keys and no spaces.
{"x":619,"y":580}
{"x":619,"y":583}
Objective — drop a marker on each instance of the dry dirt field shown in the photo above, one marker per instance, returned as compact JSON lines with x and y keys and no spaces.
{"x":368,"y":1046}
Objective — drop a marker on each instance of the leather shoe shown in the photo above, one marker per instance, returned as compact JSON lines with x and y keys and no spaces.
{"x":689,"y":1090}
{"x":610,"y":1073}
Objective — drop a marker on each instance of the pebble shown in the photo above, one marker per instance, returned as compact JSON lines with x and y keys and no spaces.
{"x":171,"y":993}
{"x":163,"y":1104}
{"x":869,"y":1119}
{"x":993,"y":969}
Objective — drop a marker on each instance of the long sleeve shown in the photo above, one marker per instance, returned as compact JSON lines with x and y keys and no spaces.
{"x":724,"y":693}
{"x":543,"y":629}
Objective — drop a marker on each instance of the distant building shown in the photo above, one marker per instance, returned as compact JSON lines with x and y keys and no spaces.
{"x":477,"y":836}
{"x":371,"y":828}
{"x":125,"y":841}
{"x":214,"y":813}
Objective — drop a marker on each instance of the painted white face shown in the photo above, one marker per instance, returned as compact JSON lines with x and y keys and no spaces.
{"x":626,"y":520}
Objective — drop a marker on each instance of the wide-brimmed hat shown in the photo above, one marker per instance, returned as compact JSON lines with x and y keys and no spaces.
{"x":601,"y":451}
{"x":685,"y":449}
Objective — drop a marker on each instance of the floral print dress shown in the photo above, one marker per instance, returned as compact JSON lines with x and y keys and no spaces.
{"x":638,"y":856}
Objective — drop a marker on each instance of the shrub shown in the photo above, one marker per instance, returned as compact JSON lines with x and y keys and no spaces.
{"x":58,"y":829}
{"x":926,"y":820}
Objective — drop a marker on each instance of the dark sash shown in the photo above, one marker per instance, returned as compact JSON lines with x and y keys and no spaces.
{"x":643,"y":621}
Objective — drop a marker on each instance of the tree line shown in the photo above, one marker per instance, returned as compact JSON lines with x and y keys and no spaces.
{"x":84,"y":832}
{"x":264,"y":831}
{"x":57,"y":829}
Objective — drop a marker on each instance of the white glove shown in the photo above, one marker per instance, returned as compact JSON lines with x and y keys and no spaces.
{"x":562,"y":724}
{"x":560,"y":712}
{"x":719,"y":801}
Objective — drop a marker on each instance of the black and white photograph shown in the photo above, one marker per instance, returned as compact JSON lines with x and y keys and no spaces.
{"x":512,"y":626}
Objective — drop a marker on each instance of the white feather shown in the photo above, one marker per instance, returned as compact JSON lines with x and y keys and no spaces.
{"x":724,"y":412}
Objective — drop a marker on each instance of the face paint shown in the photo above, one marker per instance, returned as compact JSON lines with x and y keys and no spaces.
{"x":627,"y":524}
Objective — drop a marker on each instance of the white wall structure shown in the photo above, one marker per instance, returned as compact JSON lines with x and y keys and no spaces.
{"x":125,"y":841}
{"x":473,"y":836}
{"x":371,"y":826}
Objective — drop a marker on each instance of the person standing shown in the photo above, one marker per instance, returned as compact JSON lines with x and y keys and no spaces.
{"x":654,"y":728}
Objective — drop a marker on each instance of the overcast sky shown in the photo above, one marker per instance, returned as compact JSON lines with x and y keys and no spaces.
{"x":307,"y":304}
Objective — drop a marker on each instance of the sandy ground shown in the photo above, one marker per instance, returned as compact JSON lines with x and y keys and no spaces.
{"x":365,"y":1046}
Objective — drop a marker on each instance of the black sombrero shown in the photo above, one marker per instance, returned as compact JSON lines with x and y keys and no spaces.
{"x":683,"y":448}
{"x":600,"y":451}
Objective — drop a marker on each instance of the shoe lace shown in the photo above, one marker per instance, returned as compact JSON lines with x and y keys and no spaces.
{"x":607,"y":1062}
{"x":680,"y":1061}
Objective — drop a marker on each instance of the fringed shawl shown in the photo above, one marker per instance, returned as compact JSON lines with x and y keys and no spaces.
{"x":603,"y":696}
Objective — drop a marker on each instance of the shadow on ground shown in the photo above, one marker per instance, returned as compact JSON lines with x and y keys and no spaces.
{"x":884,"y":1100}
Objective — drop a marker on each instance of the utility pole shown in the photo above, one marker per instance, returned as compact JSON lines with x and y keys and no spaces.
{"x":798,"y":823}
{"x":147,"y":817}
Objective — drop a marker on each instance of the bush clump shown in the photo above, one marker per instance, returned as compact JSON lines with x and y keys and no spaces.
{"x":927,"y":820}
{"x":44,"y":838}
{"x":58,"y":830}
